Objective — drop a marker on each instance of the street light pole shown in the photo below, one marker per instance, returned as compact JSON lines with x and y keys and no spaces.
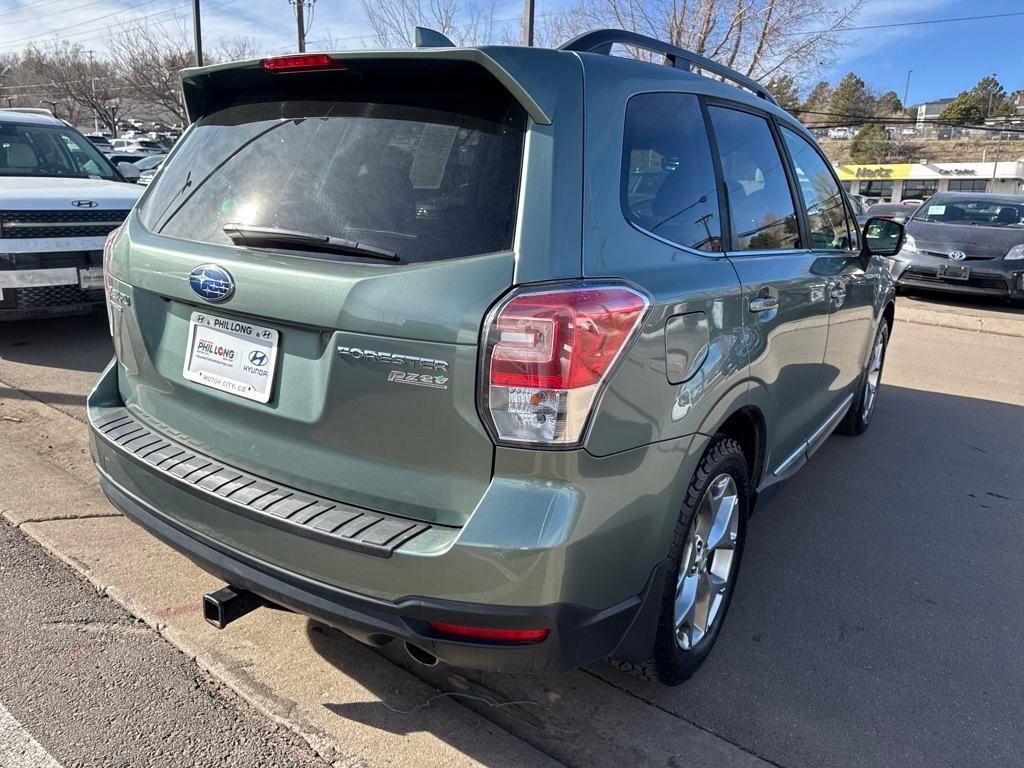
{"x":301,"y":24}
{"x":906,"y":88}
{"x":528,"y":16}
{"x":198,"y":29}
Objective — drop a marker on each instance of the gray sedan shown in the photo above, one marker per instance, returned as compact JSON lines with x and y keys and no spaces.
{"x":965,"y":243}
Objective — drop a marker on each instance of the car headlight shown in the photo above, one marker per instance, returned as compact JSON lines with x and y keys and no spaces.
{"x":1017,"y":252}
{"x":909,"y":244}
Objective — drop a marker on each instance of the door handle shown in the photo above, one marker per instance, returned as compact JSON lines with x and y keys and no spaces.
{"x":838,"y":293}
{"x":764,"y":303}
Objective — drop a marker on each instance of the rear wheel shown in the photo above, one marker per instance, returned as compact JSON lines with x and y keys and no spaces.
{"x":705,"y":554}
{"x":862,"y":409}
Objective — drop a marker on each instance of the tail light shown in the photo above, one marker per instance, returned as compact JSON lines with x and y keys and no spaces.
{"x":547,"y":353}
{"x":108,"y":246}
{"x":488,"y":634}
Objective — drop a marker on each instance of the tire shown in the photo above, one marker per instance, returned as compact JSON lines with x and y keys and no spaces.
{"x":858,"y":418}
{"x":676,"y":655}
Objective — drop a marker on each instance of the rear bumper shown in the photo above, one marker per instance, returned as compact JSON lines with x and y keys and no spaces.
{"x":533,"y":556}
{"x":578,"y":636}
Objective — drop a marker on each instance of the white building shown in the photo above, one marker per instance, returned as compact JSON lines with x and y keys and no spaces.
{"x":901,"y":181}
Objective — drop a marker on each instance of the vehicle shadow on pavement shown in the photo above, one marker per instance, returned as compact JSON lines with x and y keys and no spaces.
{"x":952,"y":302}
{"x":873,"y":607}
{"x":66,"y":343}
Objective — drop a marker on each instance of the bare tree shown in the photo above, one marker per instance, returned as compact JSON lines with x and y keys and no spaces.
{"x":763,"y":39}
{"x":147,"y":59}
{"x":467,"y":23}
{"x":79,"y":81}
{"x":237,"y":48}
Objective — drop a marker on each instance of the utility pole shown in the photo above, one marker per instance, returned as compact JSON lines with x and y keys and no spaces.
{"x":300,"y":20}
{"x":198,"y":29}
{"x":95,"y":112}
{"x":528,"y":17}
{"x":906,"y":89}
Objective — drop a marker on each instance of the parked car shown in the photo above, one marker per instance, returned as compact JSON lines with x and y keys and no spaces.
{"x":894,"y":211}
{"x":970,"y":243}
{"x":424,"y":357}
{"x":59,"y":198}
{"x":148,"y":167}
{"x":842,"y":133}
{"x":137,"y":146}
{"x":101,"y":142}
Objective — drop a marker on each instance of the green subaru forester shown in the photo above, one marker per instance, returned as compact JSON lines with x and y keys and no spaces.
{"x":488,"y":350}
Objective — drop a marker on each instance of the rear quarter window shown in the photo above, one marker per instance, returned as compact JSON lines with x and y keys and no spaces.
{"x":668,"y":179}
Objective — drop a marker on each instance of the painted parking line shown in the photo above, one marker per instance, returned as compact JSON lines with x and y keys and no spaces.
{"x":17,"y":747}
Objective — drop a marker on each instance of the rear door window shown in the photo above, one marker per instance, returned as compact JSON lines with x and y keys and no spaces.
{"x":425,"y":183}
{"x":760,"y":204}
{"x":668,"y":178}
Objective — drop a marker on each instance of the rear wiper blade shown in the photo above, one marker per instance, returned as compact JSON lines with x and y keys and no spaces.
{"x":268,"y":237}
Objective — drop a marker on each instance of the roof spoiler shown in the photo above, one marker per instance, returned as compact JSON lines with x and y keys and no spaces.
{"x":536,"y":94}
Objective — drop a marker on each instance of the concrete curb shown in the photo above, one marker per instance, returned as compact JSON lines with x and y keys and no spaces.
{"x":999,"y":326}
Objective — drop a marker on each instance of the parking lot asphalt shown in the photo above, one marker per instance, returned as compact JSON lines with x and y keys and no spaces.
{"x":877,"y":618}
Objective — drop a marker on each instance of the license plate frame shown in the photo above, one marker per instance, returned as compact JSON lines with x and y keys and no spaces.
{"x":90,"y":278}
{"x":224,"y":354}
{"x":954,"y":272}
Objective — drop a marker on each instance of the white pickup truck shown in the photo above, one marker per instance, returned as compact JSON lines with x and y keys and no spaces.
{"x":59,"y":198}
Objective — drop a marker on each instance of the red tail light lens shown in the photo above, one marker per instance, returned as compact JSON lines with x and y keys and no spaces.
{"x":491,"y":635}
{"x":301,"y":61}
{"x":547,"y":354}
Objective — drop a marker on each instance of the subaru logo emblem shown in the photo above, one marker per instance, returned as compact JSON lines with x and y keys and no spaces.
{"x":85,"y":203}
{"x":957,"y":255}
{"x":257,"y":358}
{"x":211,"y":282}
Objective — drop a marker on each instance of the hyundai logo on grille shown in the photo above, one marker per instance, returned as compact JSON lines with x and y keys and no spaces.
{"x":211,"y":282}
{"x":85,"y":203}
{"x":957,"y":255}
{"x":257,"y":358}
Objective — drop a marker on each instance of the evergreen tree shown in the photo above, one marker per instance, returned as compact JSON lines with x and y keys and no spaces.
{"x":851,"y":97}
{"x":783,"y":88}
{"x":871,"y":145}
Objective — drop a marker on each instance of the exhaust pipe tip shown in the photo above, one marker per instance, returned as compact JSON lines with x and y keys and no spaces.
{"x":420,"y":656}
{"x":225,"y":605}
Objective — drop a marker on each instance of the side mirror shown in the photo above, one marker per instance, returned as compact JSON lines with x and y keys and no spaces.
{"x":881,"y":237}
{"x":129,"y":171}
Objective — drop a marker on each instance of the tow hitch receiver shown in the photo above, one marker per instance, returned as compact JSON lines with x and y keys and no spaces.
{"x":225,"y":605}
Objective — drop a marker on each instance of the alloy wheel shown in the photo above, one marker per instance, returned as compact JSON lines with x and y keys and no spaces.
{"x":874,"y":376}
{"x":707,"y":562}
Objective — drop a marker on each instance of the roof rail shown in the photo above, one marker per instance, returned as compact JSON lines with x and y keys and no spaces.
{"x":602,"y":40}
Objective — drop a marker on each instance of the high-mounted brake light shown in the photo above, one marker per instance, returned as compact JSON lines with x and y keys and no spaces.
{"x":296,"y":62}
{"x":108,"y":246}
{"x":486,"y":634}
{"x":547,"y":353}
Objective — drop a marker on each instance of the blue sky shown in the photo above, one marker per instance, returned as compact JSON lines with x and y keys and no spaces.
{"x":946,"y":58}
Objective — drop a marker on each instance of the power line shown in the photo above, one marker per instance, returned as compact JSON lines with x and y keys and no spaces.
{"x":51,"y":33}
{"x":901,"y":24}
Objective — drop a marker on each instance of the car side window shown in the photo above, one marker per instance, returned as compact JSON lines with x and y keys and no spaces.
{"x":823,"y":200}
{"x":760,"y":204}
{"x":668,"y":179}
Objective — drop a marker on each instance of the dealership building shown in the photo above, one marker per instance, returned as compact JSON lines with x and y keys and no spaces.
{"x":902,"y":181}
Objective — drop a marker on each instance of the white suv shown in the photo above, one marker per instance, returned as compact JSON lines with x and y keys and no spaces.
{"x":59,"y":198}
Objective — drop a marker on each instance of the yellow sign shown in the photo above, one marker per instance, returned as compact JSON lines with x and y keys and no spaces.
{"x":887,"y":172}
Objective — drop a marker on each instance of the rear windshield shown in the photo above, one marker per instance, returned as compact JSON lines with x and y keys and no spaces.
{"x":423,"y":182}
{"x":982,"y":213}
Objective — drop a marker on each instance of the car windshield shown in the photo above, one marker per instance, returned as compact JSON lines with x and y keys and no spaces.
{"x":982,"y":213}
{"x":49,"y":150}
